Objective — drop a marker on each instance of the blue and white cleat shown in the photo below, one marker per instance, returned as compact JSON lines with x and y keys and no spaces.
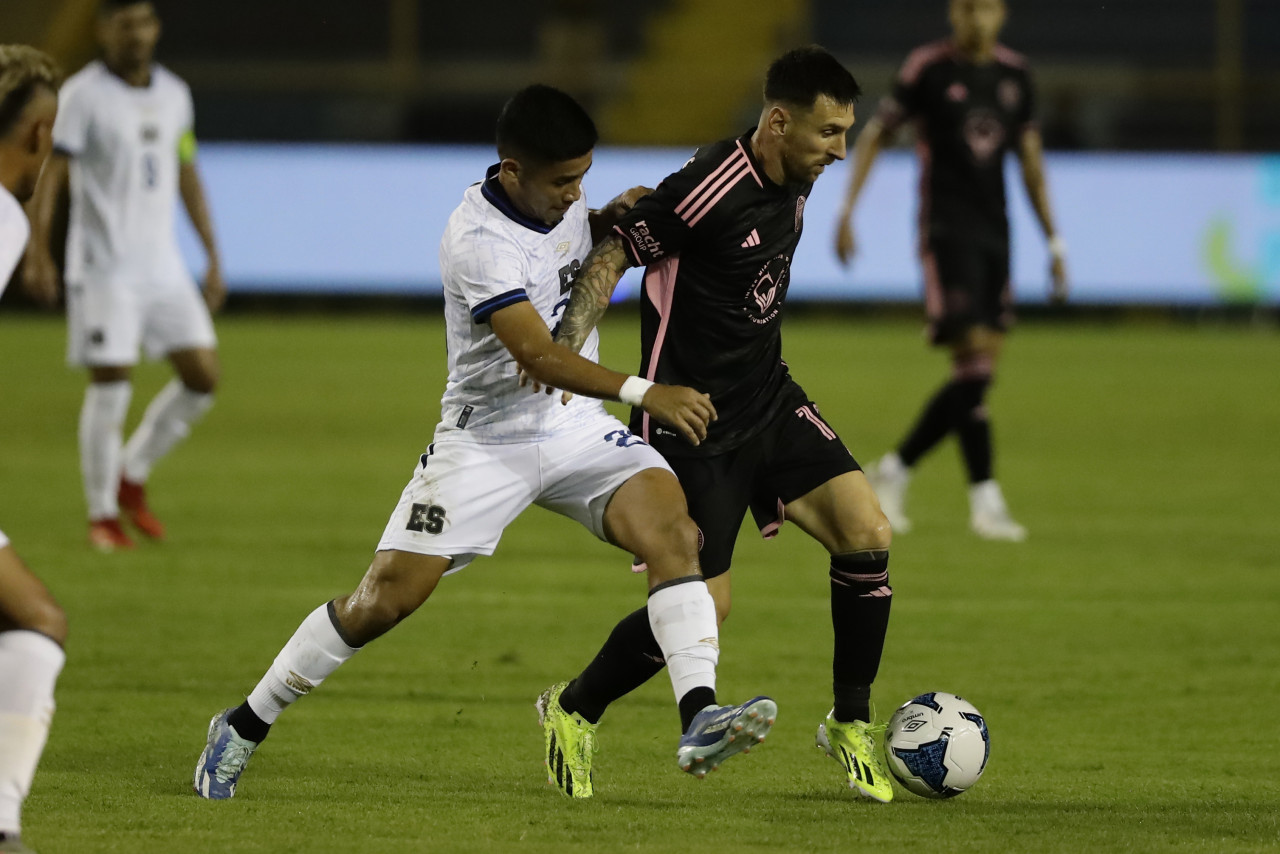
{"x":718,"y":732}
{"x":223,"y":760}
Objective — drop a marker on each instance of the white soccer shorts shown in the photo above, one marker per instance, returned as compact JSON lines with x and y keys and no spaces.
{"x":108,"y":323}
{"x":463,"y":495}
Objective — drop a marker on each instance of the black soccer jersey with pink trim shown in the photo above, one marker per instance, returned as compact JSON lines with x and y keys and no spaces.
{"x":968,"y":116}
{"x":717,"y":239}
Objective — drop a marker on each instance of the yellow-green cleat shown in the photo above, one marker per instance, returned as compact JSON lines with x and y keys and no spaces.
{"x":570,"y":744}
{"x":859,"y":748}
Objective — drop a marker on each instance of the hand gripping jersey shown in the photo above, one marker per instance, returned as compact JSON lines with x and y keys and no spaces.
{"x":14,"y":231}
{"x":968,"y":117}
{"x":123,"y":142}
{"x":718,"y":238}
{"x":493,"y":256}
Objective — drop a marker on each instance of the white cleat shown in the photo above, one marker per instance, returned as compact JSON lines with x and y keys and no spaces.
{"x":989,"y":515}
{"x":889,"y":478}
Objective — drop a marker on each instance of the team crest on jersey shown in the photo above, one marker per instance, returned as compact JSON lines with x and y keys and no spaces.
{"x":800,"y":212}
{"x":150,"y":133}
{"x":1009,"y":93}
{"x":764,"y":300}
{"x":984,"y":133}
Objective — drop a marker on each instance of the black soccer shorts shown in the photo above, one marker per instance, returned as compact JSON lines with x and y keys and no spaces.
{"x":796,"y":453}
{"x":966,"y":277}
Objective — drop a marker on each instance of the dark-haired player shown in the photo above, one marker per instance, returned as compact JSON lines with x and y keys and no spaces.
{"x":718,"y":238}
{"x":125,"y":142}
{"x":33,"y":627}
{"x":507,"y":257}
{"x":972,"y":101}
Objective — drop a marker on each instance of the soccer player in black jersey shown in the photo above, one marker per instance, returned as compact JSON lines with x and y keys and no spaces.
{"x":972,"y":101}
{"x":718,"y":238}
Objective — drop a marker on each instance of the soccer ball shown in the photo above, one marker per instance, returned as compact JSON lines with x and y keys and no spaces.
{"x":937,"y":745}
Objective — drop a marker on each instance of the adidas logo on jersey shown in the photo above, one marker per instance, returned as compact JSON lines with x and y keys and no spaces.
{"x":753,"y":239}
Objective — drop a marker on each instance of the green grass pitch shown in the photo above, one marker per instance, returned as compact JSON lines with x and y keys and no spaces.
{"x":1127,"y":656}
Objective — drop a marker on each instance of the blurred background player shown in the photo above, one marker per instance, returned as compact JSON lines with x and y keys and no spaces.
{"x":507,"y":255}
{"x":125,"y":137}
{"x":33,"y":627}
{"x":717,"y":239}
{"x":973,"y":101}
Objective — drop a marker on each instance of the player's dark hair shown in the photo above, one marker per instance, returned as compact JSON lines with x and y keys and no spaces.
{"x":23,"y":70}
{"x":799,"y":76}
{"x":545,"y":125}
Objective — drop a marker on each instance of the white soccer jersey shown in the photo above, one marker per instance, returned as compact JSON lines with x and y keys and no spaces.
{"x":14,"y":231}
{"x":123,"y":143}
{"x":493,"y":256}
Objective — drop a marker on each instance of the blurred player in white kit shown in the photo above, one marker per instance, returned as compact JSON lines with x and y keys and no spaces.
{"x":124,"y":138}
{"x":33,"y":627}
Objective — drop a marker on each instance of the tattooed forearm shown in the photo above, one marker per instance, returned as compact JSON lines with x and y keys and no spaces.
{"x":591,"y":290}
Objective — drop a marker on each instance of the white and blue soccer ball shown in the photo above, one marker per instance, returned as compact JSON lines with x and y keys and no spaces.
{"x":937,"y":745}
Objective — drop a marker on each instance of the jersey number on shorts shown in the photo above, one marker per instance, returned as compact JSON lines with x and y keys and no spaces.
{"x":623,"y":438}
{"x":567,"y":272}
{"x":426,"y":518}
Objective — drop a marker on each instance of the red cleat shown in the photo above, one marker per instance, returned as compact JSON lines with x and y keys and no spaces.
{"x":133,"y":503}
{"x":106,"y":535}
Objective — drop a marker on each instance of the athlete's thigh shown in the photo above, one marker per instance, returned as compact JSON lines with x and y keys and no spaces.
{"x":104,"y":324}
{"x":843,"y":514}
{"x":583,"y":469}
{"x":805,"y":452}
{"x":995,"y":305}
{"x":718,"y":491}
{"x":177,"y":319}
{"x":462,"y":496}
{"x":955,"y":275}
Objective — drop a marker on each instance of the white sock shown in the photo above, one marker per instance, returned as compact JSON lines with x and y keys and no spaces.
{"x":29,"y":667}
{"x":101,"y":423}
{"x":314,"y":651}
{"x":167,"y":421}
{"x":683,"y":619}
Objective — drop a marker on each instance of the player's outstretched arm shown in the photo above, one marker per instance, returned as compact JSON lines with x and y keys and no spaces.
{"x":193,"y":199}
{"x":1031,"y":155}
{"x":39,"y":270}
{"x":525,"y":335}
{"x":865,"y":151}
{"x":590,"y":292}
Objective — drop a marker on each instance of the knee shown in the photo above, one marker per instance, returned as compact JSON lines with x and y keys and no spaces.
{"x":669,"y":540}
{"x":203,"y":381}
{"x":870,"y":531}
{"x":47,"y":618}
{"x":386,"y":595}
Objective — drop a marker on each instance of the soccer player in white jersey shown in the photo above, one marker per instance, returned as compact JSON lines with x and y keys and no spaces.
{"x":32,"y":626}
{"x":124,"y":138}
{"x":508,"y":255}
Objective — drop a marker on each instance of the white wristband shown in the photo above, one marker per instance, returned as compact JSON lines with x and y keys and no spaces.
{"x":1057,"y":247}
{"x":632,"y":391}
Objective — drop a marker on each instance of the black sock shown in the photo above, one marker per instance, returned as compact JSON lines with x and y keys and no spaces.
{"x":247,"y":724}
{"x":932,"y":426}
{"x":969,"y":417}
{"x":860,"y":601}
{"x":693,"y":702}
{"x":629,"y":658}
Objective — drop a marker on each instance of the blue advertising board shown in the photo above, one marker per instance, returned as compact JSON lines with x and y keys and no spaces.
{"x":1141,"y":229}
